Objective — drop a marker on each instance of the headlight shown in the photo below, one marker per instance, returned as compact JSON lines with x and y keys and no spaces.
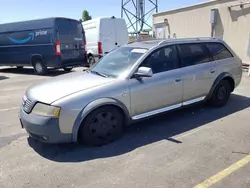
{"x":46,"y":110}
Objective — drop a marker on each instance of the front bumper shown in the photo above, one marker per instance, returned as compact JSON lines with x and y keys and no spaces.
{"x":43,"y":129}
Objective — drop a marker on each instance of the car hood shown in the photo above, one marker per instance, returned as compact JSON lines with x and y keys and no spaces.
{"x":61,"y":86}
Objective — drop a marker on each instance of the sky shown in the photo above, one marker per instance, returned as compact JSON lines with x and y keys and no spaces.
{"x":20,"y":10}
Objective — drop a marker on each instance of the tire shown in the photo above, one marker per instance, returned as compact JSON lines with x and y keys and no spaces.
{"x":102,"y":126}
{"x":39,"y":67}
{"x":19,"y":67}
{"x":221,"y":94}
{"x":91,"y":60}
{"x":66,"y":69}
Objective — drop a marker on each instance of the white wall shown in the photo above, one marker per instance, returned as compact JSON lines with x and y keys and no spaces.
{"x":232,"y":25}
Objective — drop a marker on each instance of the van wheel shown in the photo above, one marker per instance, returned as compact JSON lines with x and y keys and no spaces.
{"x":19,"y":67}
{"x":221,"y":94}
{"x":39,"y":67}
{"x":91,"y":60}
{"x":102,"y":126}
{"x":67,"y":69}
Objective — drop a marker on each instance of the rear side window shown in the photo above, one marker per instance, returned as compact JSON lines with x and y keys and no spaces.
{"x":70,"y":30}
{"x":70,"y":34}
{"x":218,"y":51}
{"x":193,"y":54}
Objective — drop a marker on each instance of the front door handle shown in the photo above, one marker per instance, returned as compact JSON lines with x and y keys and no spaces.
{"x":212,"y":71}
{"x":177,"y":80}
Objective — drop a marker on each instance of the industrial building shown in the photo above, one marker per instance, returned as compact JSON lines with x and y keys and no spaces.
{"x":226,"y":19}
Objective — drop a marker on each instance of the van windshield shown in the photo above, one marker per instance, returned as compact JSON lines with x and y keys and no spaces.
{"x":118,"y":61}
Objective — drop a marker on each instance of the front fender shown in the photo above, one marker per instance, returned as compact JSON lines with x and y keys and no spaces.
{"x":94,"y":105}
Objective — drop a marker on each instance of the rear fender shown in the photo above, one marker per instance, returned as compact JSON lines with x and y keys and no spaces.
{"x":35,"y":56}
{"x":216,"y":82}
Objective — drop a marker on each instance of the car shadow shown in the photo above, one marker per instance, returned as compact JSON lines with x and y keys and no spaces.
{"x":30,"y":71}
{"x":162,"y":127}
{"x":3,"y":77}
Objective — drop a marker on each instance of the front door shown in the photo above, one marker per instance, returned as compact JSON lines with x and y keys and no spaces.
{"x":162,"y":91}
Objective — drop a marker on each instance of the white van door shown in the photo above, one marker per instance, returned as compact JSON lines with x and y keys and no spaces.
{"x":121,"y":32}
{"x":107,"y":35}
{"x":91,"y":34}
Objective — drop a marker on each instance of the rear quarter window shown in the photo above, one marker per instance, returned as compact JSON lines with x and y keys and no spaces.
{"x":218,"y":51}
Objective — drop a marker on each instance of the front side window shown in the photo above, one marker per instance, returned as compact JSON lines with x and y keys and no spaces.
{"x":218,"y":51}
{"x":118,"y":61}
{"x":193,"y":54}
{"x":162,"y":60}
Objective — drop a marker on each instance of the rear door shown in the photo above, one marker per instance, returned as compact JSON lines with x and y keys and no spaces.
{"x":199,"y":72}
{"x":71,"y":37}
{"x":107,"y":35}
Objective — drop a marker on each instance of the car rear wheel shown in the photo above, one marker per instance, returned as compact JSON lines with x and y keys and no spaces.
{"x":91,"y":60}
{"x":221,"y":94}
{"x":67,"y":69}
{"x":39,"y":67}
{"x":102,"y":126}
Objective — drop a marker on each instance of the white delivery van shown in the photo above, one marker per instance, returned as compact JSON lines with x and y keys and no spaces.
{"x":104,"y":35}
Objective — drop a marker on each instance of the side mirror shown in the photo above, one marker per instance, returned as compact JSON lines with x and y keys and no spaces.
{"x":143,"y":72}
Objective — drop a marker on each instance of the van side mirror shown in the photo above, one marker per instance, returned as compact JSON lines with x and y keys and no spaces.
{"x":143,"y":72}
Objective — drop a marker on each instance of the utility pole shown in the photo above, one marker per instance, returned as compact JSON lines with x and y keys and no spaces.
{"x":137,"y":13}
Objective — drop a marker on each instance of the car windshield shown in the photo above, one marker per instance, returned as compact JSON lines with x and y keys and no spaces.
{"x":118,"y":61}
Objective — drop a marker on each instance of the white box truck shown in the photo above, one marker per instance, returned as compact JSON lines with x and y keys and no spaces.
{"x":103,"y":35}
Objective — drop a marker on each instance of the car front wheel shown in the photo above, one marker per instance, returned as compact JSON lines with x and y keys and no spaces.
{"x":102,"y":126}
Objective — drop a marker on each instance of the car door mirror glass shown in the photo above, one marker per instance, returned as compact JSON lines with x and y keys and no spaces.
{"x":143,"y":72}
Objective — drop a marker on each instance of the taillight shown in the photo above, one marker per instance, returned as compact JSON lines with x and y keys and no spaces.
{"x":99,"y":48}
{"x":85,"y":43}
{"x":58,"y":48}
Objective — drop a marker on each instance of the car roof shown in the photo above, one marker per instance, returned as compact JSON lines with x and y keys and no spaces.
{"x":30,"y":24}
{"x":157,"y":42}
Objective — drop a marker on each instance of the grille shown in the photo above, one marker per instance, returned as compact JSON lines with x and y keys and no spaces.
{"x":27,"y":105}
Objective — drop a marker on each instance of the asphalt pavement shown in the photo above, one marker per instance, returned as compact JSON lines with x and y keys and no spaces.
{"x":196,"y":146}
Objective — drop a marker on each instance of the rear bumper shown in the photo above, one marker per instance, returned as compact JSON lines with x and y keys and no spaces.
{"x":43,"y":129}
{"x":58,"y":62}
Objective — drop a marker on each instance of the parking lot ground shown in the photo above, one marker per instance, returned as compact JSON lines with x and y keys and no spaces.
{"x":178,"y":149}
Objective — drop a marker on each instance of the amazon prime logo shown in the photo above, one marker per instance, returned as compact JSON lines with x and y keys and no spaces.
{"x":29,"y":38}
{"x":44,"y":32}
{"x":23,"y":41}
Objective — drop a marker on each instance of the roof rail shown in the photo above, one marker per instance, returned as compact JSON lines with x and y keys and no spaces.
{"x":188,"y":39}
{"x":162,"y":42}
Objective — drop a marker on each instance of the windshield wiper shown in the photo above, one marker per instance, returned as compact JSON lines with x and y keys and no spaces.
{"x":100,"y":74}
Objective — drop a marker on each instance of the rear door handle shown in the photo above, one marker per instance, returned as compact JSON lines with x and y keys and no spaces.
{"x":177,"y":80}
{"x":212,"y":71}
